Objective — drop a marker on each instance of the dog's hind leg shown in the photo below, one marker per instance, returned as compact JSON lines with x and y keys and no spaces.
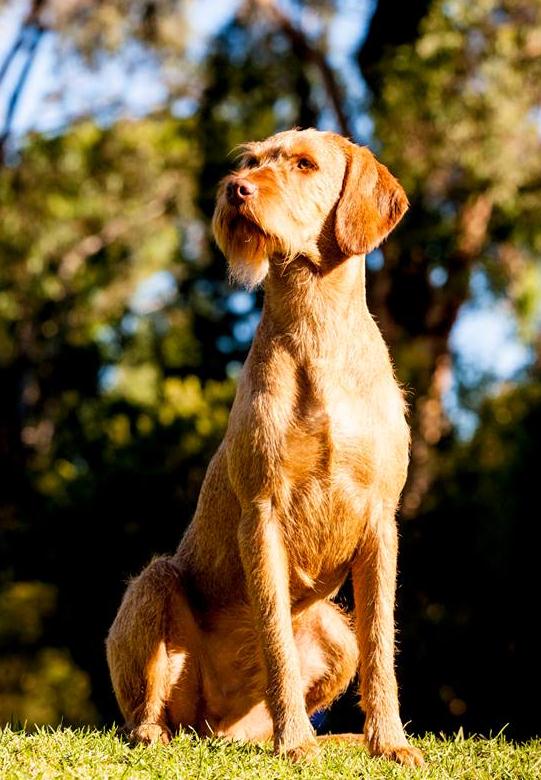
{"x":147,"y":653}
{"x":327,"y":650}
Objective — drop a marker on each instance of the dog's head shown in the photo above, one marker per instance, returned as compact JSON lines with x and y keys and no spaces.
{"x":303,"y":192}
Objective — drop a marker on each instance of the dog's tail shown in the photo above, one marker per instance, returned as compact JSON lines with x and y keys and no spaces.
{"x":140,"y":666}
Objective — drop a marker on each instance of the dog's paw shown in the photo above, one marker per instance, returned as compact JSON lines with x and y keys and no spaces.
{"x":150,"y":734}
{"x":306,"y":751}
{"x":405,"y":755}
{"x":298,"y":743}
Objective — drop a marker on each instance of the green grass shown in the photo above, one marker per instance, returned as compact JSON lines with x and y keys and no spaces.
{"x":67,"y":753}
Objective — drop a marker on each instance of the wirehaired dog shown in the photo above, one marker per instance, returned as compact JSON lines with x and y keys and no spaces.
{"x":236,"y":634}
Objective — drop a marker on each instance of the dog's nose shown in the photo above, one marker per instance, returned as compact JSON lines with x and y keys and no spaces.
{"x":240,"y":190}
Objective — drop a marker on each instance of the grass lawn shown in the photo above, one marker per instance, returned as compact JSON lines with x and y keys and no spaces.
{"x":85,"y":754}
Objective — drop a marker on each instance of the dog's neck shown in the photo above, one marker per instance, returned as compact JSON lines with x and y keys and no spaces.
{"x":315,"y":308}
{"x":300,"y":292}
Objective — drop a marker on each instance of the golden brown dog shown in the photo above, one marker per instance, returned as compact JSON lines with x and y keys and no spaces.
{"x":236,"y":634}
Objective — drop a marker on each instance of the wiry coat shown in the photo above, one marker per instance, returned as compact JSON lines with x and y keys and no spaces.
{"x":236,"y":633}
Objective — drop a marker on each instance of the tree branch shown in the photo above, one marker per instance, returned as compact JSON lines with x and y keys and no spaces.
{"x":431,"y":422}
{"x":10,"y":56}
{"x":305,"y":51}
{"x":33,"y":29}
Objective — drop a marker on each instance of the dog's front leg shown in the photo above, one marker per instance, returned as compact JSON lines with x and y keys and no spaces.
{"x":374,"y":585}
{"x":265,"y":563}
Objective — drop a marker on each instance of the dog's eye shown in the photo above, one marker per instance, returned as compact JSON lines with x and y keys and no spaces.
{"x":304,"y":164}
{"x":250,"y":162}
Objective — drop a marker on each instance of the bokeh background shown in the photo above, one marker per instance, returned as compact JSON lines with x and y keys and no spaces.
{"x":120,"y":339}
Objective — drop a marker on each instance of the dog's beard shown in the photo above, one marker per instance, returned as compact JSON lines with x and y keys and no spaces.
{"x":245,"y":245}
{"x":256,"y":233}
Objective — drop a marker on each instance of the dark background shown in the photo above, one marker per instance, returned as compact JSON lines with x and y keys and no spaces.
{"x":120,"y":339}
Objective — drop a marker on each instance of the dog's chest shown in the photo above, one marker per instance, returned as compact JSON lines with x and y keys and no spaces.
{"x":345,"y":452}
{"x":342,"y":432}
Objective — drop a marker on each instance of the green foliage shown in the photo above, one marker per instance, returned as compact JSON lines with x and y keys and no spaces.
{"x":478,"y":68}
{"x":75,"y":237}
{"x":104,"y":393}
{"x":112,"y":25}
{"x":473,"y":138}
{"x":39,"y":683}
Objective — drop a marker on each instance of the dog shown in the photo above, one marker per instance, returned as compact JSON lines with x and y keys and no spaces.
{"x":237,"y":634}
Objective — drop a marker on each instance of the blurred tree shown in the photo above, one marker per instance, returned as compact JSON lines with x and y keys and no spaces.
{"x":119,"y":335}
{"x":470,"y":588}
{"x":468,"y":155}
{"x":39,"y":683}
{"x":105,"y":428}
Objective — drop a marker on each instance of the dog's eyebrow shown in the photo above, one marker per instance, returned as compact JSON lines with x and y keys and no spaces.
{"x":254,"y":149}
{"x":303,"y":151}
{"x":278,"y":152}
{"x":241,"y":150}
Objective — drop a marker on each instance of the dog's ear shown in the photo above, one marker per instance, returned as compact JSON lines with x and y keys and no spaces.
{"x":371,"y":203}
